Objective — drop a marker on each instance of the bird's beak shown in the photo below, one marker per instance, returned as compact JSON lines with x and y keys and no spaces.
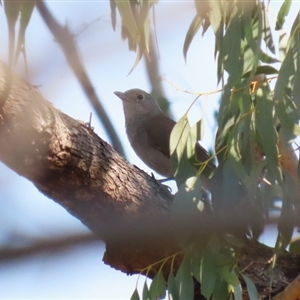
{"x":121,"y":95}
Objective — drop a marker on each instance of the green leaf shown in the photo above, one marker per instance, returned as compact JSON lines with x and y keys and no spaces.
{"x":158,"y":286}
{"x":283,"y":41}
{"x":26,"y":10}
{"x":265,"y":69}
{"x":128,"y":19}
{"x":227,"y":274}
{"x":184,"y":280}
{"x":234,"y":156}
{"x":266,"y":30}
{"x":178,"y":149}
{"x":146,"y":293}
{"x":179,"y":136}
{"x":193,"y":29}
{"x":252,"y":291}
{"x":135,"y":295}
{"x":295,"y":246}
{"x":208,"y":272}
{"x":195,"y":261}
{"x":215,"y":15}
{"x":265,"y":58}
{"x":173,"y":293}
{"x":238,"y":292}
{"x":283,"y":12}
{"x":267,"y":130}
{"x":187,"y":208}
{"x":221,"y":290}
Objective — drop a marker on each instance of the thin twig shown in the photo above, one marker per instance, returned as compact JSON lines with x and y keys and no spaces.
{"x":67,"y":43}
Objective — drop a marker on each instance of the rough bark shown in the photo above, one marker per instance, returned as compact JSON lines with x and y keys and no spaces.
{"x":67,"y":161}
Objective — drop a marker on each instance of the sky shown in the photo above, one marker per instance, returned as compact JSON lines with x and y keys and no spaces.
{"x":24,"y":212}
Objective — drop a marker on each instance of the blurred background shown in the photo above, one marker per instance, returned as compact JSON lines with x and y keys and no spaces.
{"x":61,"y":258}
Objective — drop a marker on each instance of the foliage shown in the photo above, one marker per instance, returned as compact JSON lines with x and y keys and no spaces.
{"x":14,"y":11}
{"x":254,"y":165}
{"x":256,"y":129}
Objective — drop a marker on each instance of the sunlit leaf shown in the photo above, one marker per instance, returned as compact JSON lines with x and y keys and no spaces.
{"x":283,"y":12}
{"x":193,"y":29}
{"x":128,"y":19}
{"x":178,"y":149}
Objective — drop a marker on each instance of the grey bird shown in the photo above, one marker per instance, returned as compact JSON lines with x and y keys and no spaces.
{"x":149,"y":129}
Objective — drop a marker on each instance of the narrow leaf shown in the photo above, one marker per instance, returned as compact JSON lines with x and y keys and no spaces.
{"x":173,"y":292}
{"x":184,"y":281}
{"x":193,"y":29}
{"x":158,"y":286}
{"x":135,"y":295}
{"x":128,"y":18}
{"x":283,"y":12}
{"x":208,"y":274}
{"x":146,"y":293}
{"x":252,"y":291}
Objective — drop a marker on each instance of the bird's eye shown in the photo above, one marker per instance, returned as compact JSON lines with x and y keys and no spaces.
{"x":141,"y":97}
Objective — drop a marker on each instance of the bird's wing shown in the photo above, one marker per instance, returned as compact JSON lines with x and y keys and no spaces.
{"x":158,"y":132}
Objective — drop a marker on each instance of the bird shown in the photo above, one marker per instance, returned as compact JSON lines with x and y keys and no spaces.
{"x":149,"y":129}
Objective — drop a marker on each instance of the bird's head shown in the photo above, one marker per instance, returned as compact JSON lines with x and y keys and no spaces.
{"x":138,"y":103}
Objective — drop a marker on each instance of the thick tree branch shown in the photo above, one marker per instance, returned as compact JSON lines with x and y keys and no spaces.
{"x":128,"y":209}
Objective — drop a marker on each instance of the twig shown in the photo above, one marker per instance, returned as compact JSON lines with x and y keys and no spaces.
{"x":67,"y":43}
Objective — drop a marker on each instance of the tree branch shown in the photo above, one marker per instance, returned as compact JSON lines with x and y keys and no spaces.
{"x":67,"y":43}
{"x":128,"y":209}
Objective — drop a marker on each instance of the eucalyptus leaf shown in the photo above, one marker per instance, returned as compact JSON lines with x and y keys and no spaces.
{"x":26,"y":10}
{"x":267,"y":130}
{"x":252,"y":291}
{"x":173,"y":292}
{"x":283,"y":12}
{"x":146,"y":292}
{"x":128,"y":19}
{"x":158,"y":286}
{"x":184,"y":280}
{"x":193,"y":29}
{"x":208,"y":273}
{"x":221,"y":290}
{"x":238,"y":292}
{"x":135,"y":295}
